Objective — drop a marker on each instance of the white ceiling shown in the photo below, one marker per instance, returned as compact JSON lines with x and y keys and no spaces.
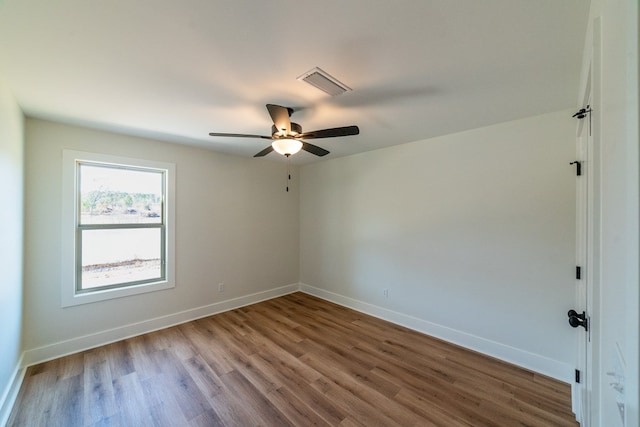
{"x":177,"y":70}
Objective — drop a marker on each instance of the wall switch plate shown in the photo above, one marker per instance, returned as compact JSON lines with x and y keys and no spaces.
{"x":220,"y":288}
{"x":385,"y":292}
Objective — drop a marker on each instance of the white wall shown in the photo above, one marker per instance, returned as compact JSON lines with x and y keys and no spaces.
{"x":234,"y":224}
{"x":472,"y":233}
{"x":11,"y":227}
{"x":618,"y":114}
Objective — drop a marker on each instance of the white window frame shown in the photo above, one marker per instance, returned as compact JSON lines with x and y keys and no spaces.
{"x":70,"y":295}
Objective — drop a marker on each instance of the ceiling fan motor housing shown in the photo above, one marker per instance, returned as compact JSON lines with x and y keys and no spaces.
{"x":276,"y":133}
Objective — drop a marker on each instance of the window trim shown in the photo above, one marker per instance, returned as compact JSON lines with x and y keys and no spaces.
{"x":70,"y":295}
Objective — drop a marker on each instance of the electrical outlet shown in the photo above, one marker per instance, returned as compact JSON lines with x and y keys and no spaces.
{"x":385,"y":292}
{"x":221,"y":288}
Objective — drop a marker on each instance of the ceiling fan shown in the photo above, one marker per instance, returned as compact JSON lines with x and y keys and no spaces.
{"x":287,"y":136}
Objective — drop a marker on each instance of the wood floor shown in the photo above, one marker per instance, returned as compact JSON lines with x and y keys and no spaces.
{"x":295,"y":360}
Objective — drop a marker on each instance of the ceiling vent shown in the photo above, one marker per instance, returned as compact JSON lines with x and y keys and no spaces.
{"x":323,"y":81}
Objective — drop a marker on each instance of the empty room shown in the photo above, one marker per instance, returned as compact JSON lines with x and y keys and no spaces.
{"x":337,"y":213}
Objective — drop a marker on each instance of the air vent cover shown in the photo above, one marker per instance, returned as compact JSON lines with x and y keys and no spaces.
{"x":323,"y":81}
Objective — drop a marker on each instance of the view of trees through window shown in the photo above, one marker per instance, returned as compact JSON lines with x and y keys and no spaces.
{"x":120,"y":225}
{"x":108,"y":203}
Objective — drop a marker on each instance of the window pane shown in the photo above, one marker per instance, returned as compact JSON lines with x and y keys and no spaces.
{"x":111,"y":257}
{"x":116,"y":195}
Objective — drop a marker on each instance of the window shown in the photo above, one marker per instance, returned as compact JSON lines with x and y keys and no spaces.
{"x":118,"y":225}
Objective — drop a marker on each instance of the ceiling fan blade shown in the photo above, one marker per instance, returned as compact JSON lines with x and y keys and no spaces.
{"x":238,"y":135}
{"x":264,"y":152}
{"x":331,"y":133}
{"x":314,"y":149}
{"x":280,"y":116}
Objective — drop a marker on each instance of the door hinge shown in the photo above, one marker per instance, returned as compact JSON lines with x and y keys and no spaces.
{"x":582,"y":113}
{"x":578,"y":272}
{"x":578,"y":167}
{"x":578,"y":376}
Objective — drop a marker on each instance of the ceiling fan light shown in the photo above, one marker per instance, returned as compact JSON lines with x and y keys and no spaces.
{"x":287,"y":146}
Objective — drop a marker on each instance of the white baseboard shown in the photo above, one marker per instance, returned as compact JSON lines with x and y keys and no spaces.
{"x":11,"y":392}
{"x":534,"y":362}
{"x":74,"y":345}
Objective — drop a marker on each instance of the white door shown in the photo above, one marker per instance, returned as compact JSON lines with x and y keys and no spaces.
{"x":588,"y":259}
{"x":581,"y":311}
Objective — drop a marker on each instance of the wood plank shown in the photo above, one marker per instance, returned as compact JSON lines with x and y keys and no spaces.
{"x":430,"y":412}
{"x":180,"y":346}
{"x":352,"y":404}
{"x":227,"y":407}
{"x":206,"y":346}
{"x":131,"y":401}
{"x":176,"y":382}
{"x":296,"y":410}
{"x":120,"y":361}
{"x":99,"y":401}
{"x":207,"y":419}
{"x":256,"y":404}
{"x":291,"y":378}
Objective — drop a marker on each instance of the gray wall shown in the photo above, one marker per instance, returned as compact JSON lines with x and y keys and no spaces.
{"x":473,"y":235}
{"x":234,"y":224}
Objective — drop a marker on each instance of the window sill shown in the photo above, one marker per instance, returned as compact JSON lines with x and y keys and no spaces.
{"x":72,"y":299}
